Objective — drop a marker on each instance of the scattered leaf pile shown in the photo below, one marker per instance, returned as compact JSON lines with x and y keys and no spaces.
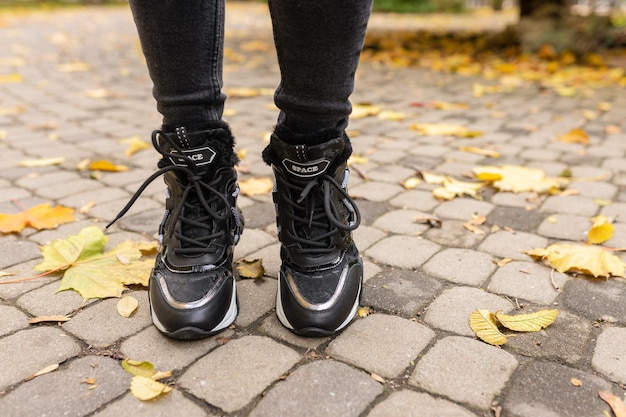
{"x":487,"y":325}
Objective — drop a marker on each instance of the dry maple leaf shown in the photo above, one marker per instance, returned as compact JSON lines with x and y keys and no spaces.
{"x":577,"y":135}
{"x":42,"y":216}
{"x":518,"y":179}
{"x":250,"y":268}
{"x":90,"y":272}
{"x":591,"y":260}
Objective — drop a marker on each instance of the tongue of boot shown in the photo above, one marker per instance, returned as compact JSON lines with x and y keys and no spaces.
{"x":208,"y":149}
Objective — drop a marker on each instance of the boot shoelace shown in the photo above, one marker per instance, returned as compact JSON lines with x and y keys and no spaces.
{"x":195,"y":187}
{"x":320,"y":222}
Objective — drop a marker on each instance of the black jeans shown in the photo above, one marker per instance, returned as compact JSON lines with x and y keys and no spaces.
{"x":318,"y":43}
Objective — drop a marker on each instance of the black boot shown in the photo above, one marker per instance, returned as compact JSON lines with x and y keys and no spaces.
{"x":192,"y":288}
{"x":319,"y":286}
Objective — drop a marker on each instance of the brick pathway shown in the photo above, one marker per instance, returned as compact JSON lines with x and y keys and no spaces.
{"x":422,"y":283}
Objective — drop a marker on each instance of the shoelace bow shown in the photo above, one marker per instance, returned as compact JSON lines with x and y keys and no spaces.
{"x":196,"y":184}
{"x":319,"y":216}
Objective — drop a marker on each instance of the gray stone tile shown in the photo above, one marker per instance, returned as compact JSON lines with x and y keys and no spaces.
{"x":453,"y":265}
{"x":12,"y":320}
{"x":511,"y":199}
{"x":390,"y":173}
{"x":47,"y":301}
{"x":571,"y":204}
{"x":417,"y":404}
{"x":505,"y":244}
{"x":402,"y":222}
{"x":256,"y":298}
{"x":63,"y":392}
{"x":225,"y":379}
{"x":318,"y":389}
{"x":451,"y":310}
{"x":453,"y":234}
{"x":608,"y":355}
{"x":415,"y":200}
{"x":595,"y":298}
{"x":382,"y":344}
{"x":615,"y":211}
{"x":169,"y":354}
{"x":446,"y":369}
{"x":14,"y":253}
{"x":23,"y":270}
{"x":401,"y":292}
{"x":46,"y":346}
{"x":270,"y":326}
{"x":366,"y":236}
{"x":462,"y":209}
{"x":101,"y":325}
{"x":594,"y":189}
{"x":375,"y":191}
{"x":545,"y":389}
{"x":565,"y":226}
{"x":516,"y":218}
{"x":528,"y":281}
{"x":171,"y":404}
{"x":251,"y":241}
{"x":402,"y":251}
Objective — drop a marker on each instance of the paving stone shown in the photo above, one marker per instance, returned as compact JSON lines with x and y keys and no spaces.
{"x":381,"y":343}
{"x":251,"y":241}
{"x":448,"y":366}
{"x":528,"y":281}
{"x":35,"y":181}
{"x":23,"y":270}
{"x":46,"y":301}
{"x":371,"y":210}
{"x":259,"y":215}
{"x":256,"y":298}
{"x":98,"y":197}
{"x":386,"y":156}
{"x":370,"y":270}
{"x":109,"y":210}
{"x":415,"y":200}
{"x":318,"y":389}
{"x":234,"y":374}
{"x":14,"y":253}
{"x":171,"y":404}
{"x":376,"y":191}
{"x":168,"y":354}
{"x":63,"y":231}
{"x":595,"y":298}
{"x":402,"y":222}
{"x":505,"y":244}
{"x":271,"y":259}
{"x":366,"y":236}
{"x":101,"y":325}
{"x":542,"y":388}
{"x":451,"y":309}
{"x":608,"y":356}
{"x":619,"y":237}
{"x":616,"y":211}
{"x":462,"y":209}
{"x":511,"y":199}
{"x":145,"y":222}
{"x":454,"y":265}
{"x":565,"y":226}
{"x":46,"y":346}
{"x":571,"y":204}
{"x":270,"y":326}
{"x":565,"y":340}
{"x":42,"y":395}
{"x":453,"y":234}
{"x":515,"y":218}
{"x":401,"y":292}
{"x":601,"y":190}
{"x":390,"y":173}
{"x":402,"y":251}
{"x":66,"y":188}
{"x":417,"y":404}
{"x":12,"y":320}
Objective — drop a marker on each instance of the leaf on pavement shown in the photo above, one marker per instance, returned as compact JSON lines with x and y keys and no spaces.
{"x":127,"y":305}
{"x":577,"y":135}
{"x":601,"y":231}
{"x":256,"y":186}
{"x":532,"y":322}
{"x":591,"y":260}
{"x":147,"y":389}
{"x":362,"y":110}
{"x":42,"y":216}
{"x":250,"y":268}
{"x":391,"y":115}
{"x":42,"y":162}
{"x":90,"y":272}
{"x":480,"y":151}
{"x":135,"y":144}
{"x":454,"y":188}
{"x":108,"y":166}
{"x":615,"y":402}
{"x":11,"y":78}
{"x":46,"y":370}
{"x":518,"y":179}
{"x":484,"y":324}
{"x":139,"y":368}
{"x":48,"y":319}
{"x":442,"y":129}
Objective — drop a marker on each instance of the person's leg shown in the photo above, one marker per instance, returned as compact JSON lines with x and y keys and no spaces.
{"x":192,"y":288}
{"x":318,"y":45}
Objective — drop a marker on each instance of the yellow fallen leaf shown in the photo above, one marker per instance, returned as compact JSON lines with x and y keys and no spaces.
{"x":135,"y":144}
{"x":357,"y":159}
{"x":42,"y":162}
{"x":484,"y":324}
{"x":11,"y":78}
{"x":604,"y":106}
{"x":42,"y":216}
{"x":363,"y":312}
{"x":444,"y":105}
{"x":246,"y":92}
{"x":46,"y":370}
{"x":48,"y":319}
{"x":103,"y":165}
{"x":532,"y":322}
{"x":454,"y":188}
{"x":360,"y":111}
{"x":576,"y":382}
{"x":250,"y":268}
{"x":411,"y":183}
{"x":75,"y":66}
{"x":442,"y":129}
{"x":577,"y":135}
{"x":256,"y":186}
{"x":480,"y":151}
{"x":391,"y":115}
{"x":503,"y":261}
{"x":127,"y":305}
{"x":377,"y":378}
{"x":147,"y":389}
{"x":601,"y":231}
{"x":592,"y":260}
{"x":6,"y":274}
{"x":518,"y":179}
{"x":615,"y":402}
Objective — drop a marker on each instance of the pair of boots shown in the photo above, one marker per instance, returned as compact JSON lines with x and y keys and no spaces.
{"x":192,"y":288}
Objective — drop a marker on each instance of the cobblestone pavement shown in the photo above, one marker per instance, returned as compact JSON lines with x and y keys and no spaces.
{"x":421,"y":283}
